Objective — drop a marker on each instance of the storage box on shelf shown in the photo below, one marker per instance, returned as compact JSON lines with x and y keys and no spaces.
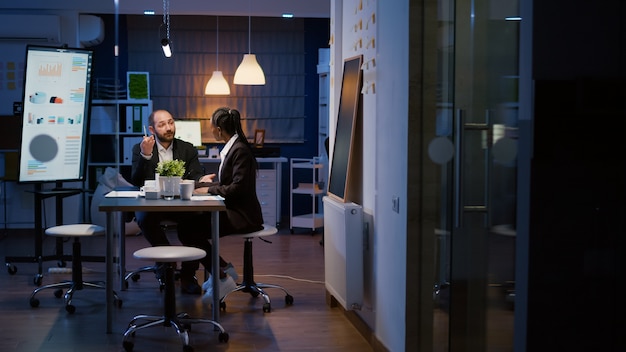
{"x":105,"y":128}
{"x":308,"y":171}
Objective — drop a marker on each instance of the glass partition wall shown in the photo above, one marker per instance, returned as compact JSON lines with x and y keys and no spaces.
{"x":474,"y":147}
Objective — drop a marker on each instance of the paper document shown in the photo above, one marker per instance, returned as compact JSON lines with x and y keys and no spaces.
{"x":207,"y":197}
{"x":122,"y":194}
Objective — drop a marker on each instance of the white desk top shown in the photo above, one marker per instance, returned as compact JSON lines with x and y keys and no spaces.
{"x":142,"y":204}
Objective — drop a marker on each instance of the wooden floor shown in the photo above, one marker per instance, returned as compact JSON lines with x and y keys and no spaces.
{"x":292,"y":261}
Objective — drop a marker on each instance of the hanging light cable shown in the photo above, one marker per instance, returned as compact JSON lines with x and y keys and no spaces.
{"x":217,"y":85}
{"x":249,"y":71}
{"x":166,"y":42}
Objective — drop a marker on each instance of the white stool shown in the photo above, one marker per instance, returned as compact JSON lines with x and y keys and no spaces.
{"x":76,"y":283}
{"x":181,"y":321}
{"x":248,"y":284}
{"x":135,"y":275}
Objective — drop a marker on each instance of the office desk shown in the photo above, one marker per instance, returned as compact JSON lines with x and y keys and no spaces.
{"x":111,"y":205}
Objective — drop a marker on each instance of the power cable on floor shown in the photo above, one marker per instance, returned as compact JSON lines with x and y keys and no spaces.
{"x":291,"y":278}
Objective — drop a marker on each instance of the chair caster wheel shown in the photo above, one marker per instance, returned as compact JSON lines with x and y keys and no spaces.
{"x":289,"y":300}
{"x":223,"y":337}
{"x":135,"y":277}
{"x":128,"y":346}
{"x":223,"y":306}
{"x":187,"y":348}
{"x":34,"y":302}
{"x":267,"y":308}
{"x":70,"y":308}
{"x":58,"y":293}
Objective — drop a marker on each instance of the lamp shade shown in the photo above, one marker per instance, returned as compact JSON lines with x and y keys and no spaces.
{"x":217,"y":85}
{"x":249,"y":71}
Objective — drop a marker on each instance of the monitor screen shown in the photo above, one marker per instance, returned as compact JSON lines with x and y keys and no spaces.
{"x":189,"y":131}
{"x":55,"y":119}
{"x":341,"y":176}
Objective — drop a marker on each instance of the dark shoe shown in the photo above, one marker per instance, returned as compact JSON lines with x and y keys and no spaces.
{"x":190,"y":286}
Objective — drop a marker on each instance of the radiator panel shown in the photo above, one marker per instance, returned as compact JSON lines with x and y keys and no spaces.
{"x":343,"y":252}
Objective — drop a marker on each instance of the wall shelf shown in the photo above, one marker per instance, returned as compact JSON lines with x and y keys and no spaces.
{"x":110,"y":135}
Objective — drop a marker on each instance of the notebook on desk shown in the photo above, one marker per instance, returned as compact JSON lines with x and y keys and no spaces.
{"x":122,"y":194}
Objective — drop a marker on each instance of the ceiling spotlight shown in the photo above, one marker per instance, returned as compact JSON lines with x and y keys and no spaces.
{"x":167,"y":50}
{"x":166,"y":43}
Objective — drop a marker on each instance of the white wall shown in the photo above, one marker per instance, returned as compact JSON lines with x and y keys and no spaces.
{"x":385,"y":123}
{"x":391,"y":123}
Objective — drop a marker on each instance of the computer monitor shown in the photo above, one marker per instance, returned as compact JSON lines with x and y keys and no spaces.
{"x":55,"y":121}
{"x":189,"y":131}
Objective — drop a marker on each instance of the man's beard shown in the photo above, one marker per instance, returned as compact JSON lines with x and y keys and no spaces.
{"x":165,"y":137}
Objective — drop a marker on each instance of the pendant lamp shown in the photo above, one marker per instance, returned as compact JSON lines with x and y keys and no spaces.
{"x":249,"y":71}
{"x":217,"y":85}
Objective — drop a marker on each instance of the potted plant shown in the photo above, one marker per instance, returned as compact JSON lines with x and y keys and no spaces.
{"x":170,"y":174}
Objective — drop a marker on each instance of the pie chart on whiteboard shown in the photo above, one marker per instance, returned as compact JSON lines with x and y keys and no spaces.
{"x":43,"y":148}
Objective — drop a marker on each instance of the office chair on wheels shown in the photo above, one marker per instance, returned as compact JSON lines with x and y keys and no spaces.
{"x":76,"y":283}
{"x":181,"y":322}
{"x":248,"y":284}
{"x":156,"y":269}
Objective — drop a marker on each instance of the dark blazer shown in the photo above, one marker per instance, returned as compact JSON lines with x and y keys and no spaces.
{"x":143,"y":169}
{"x":238,"y":187}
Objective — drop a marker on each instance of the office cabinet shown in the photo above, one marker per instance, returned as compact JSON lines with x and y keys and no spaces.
{"x":111,"y":139}
{"x":305,"y":193}
{"x":266,"y":192}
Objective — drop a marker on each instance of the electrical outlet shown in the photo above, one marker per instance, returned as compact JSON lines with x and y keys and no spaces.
{"x":395,"y":204}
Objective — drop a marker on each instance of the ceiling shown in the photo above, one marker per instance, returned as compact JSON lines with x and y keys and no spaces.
{"x":263,"y":8}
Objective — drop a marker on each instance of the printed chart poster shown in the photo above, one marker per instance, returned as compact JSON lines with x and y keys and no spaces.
{"x":56,"y":105}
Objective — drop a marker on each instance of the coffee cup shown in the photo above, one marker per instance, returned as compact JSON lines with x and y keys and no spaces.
{"x":186,"y":189}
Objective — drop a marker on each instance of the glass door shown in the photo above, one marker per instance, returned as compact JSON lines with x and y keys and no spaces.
{"x":475,"y":146}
